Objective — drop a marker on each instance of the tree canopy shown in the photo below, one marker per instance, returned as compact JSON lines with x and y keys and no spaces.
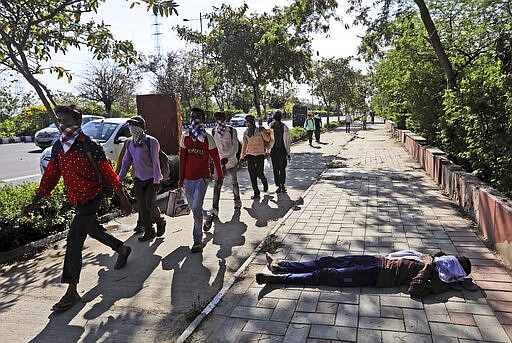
{"x":32,"y":31}
{"x":256,"y":50}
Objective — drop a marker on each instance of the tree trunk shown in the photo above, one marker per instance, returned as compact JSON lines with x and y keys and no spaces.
{"x":108,"y":108}
{"x":435,"y":41}
{"x":256,"y":99}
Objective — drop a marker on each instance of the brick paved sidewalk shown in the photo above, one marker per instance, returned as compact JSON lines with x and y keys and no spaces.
{"x":379,"y":201}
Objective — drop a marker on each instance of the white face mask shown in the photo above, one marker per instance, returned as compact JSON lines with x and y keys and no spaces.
{"x":136,"y":133}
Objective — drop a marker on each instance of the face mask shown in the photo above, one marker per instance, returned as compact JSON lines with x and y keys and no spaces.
{"x":64,"y":127}
{"x":137,"y":133}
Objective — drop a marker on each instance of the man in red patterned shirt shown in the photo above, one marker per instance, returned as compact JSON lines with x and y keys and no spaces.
{"x":78,"y":160}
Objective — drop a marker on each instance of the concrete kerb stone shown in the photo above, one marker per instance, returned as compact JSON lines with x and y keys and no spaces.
{"x":206,"y":311}
{"x":18,"y":139}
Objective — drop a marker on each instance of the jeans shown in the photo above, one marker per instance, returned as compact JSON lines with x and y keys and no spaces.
{"x":348,"y":271}
{"x":347,"y":127}
{"x":255,"y":167}
{"x":231,"y":172}
{"x":146,"y":202}
{"x":195,"y":191}
{"x":317,"y":135}
{"x":84,"y":223}
{"x":279,"y":163}
{"x":310,"y":136}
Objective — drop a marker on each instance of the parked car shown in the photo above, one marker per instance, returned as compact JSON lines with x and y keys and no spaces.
{"x":238,"y":120}
{"x":109,"y":132}
{"x":47,"y":136}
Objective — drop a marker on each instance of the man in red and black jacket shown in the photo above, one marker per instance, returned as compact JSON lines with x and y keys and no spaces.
{"x":196,"y":148}
{"x":79,"y":161}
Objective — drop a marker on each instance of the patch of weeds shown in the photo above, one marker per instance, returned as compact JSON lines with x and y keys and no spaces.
{"x":196,"y":308}
{"x":271,"y":244}
{"x":336,"y":164}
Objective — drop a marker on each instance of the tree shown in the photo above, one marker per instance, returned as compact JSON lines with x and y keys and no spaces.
{"x":338,"y":84}
{"x":31,"y":31}
{"x":107,"y":82}
{"x":11,"y":103}
{"x":397,"y":7}
{"x":177,"y":72}
{"x":259,"y":49}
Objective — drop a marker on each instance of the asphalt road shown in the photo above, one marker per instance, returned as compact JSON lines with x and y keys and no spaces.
{"x":19,"y":162}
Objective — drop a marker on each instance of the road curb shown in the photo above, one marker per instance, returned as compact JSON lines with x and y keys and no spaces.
{"x":19,"y":139}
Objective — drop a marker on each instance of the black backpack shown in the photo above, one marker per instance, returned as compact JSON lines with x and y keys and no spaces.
{"x":239,"y":151}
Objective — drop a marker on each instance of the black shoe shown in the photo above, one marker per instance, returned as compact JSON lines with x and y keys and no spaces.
{"x":279,"y":190}
{"x":265,"y":186}
{"x":283,"y":189}
{"x":255,"y":196}
{"x":160,"y":228}
{"x":197,"y":247}
{"x":139,"y":229}
{"x":147,"y":237}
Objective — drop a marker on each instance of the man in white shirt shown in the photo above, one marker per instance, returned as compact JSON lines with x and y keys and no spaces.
{"x":226,"y":138}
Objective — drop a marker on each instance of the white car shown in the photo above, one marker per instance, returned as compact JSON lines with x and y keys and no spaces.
{"x":238,"y":120}
{"x":109,"y":132}
{"x":47,"y":136}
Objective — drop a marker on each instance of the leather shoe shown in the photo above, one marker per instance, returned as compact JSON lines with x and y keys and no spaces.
{"x":147,"y":237}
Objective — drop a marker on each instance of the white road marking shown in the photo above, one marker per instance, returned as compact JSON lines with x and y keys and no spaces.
{"x":21,"y":178}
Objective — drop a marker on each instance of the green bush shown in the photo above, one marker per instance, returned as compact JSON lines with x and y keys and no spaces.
{"x":332,"y":125}
{"x":52,"y":215}
{"x":297,"y":133}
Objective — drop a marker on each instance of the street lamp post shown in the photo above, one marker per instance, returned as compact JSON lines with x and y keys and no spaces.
{"x":202,"y":57}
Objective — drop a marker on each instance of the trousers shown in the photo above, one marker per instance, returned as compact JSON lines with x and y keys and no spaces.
{"x":348,"y":271}
{"x":84,"y":223}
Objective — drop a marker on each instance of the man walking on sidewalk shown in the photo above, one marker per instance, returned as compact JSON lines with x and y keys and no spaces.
{"x":142,"y":152}
{"x":348,"y":122}
{"x":196,"y":148}
{"x":226,"y":139}
{"x":86,"y":171}
{"x":309,"y":125}
{"x":280,"y":152}
{"x":253,"y":151}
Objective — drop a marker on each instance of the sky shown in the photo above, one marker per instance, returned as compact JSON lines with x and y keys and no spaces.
{"x":138,"y":25}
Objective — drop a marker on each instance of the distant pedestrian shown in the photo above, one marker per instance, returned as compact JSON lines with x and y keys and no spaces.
{"x":270,"y":119}
{"x":226,"y":139}
{"x":348,"y":121}
{"x":253,"y":151}
{"x":86,"y":171}
{"x":372,"y":116}
{"x":142,"y":153}
{"x":196,"y":148}
{"x":364,"y":118}
{"x":280,"y":152}
{"x":309,"y":125}
{"x":318,"y":126}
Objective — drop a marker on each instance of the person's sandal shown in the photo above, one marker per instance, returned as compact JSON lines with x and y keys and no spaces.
{"x":66,"y":302}
{"x":123,"y":258}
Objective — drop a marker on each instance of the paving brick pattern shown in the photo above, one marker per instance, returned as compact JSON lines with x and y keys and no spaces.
{"x":381,"y":201}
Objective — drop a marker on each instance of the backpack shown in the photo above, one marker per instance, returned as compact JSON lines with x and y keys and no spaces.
{"x":239,"y":151}
{"x":165,"y":169}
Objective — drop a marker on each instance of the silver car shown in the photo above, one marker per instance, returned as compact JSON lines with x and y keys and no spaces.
{"x":109,"y":132}
{"x":47,"y":136}
{"x":238,"y":120}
